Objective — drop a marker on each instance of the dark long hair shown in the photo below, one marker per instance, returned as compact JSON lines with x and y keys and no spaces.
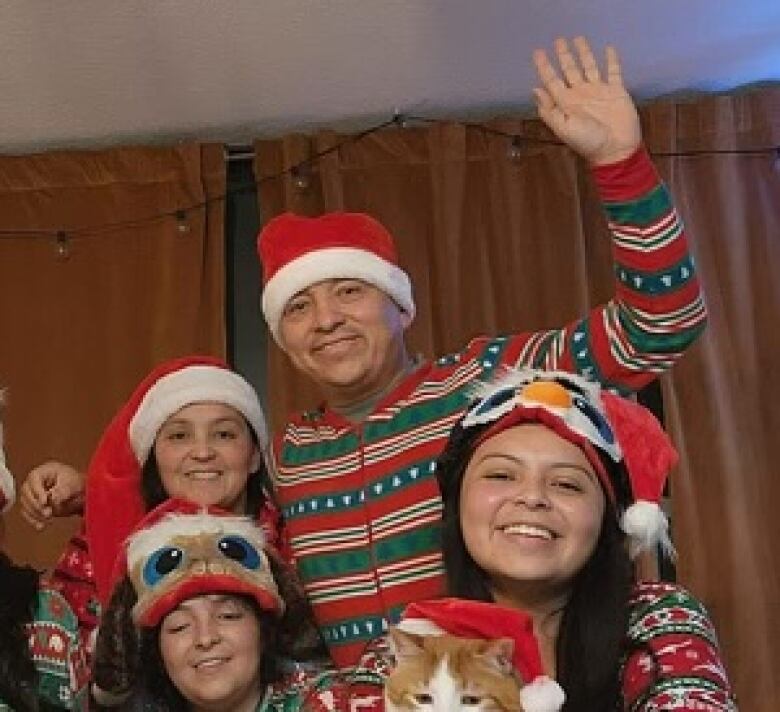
{"x":18,"y":677}
{"x":593,"y":628}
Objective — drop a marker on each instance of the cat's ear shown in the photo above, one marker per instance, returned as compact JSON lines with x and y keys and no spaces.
{"x":403,"y":644}
{"x":498,"y":654}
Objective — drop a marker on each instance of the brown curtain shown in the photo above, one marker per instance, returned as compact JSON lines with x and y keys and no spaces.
{"x":80,"y":329}
{"x":496,"y":243}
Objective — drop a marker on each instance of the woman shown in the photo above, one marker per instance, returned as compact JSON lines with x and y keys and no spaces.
{"x":192,"y":429}
{"x":199,"y":585}
{"x":550,"y":486}
{"x":42,"y":663}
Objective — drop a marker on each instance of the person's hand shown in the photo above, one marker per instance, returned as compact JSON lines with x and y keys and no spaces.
{"x":53,"y":489}
{"x":593,"y":115}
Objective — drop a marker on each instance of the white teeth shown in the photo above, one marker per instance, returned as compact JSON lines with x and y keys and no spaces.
{"x":527,"y":530}
{"x":203,"y":475}
{"x":210,"y":663}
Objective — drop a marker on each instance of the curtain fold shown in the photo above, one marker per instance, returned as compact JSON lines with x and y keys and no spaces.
{"x":80,"y":326}
{"x":496,"y":244}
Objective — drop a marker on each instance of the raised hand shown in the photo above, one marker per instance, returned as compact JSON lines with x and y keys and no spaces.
{"x":51,"y":490}
{"x":593,"y":115}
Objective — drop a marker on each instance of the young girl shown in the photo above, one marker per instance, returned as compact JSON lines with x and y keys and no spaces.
{"x":200,"y":586}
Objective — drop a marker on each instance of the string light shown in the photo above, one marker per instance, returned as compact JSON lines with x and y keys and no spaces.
{"x":182,"y":226}
{"x":515,"y":149}
{"x":62,"y":246}
{"x":399,"y":119}
{"x":301,"y":177}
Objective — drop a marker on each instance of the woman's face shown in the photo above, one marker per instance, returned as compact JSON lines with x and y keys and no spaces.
{"x":205,"y":454}
{"x":211,"y":647}
{"x":531,"y":508}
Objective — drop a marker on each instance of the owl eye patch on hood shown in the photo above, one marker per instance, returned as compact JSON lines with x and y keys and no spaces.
{"x":181,"y":555}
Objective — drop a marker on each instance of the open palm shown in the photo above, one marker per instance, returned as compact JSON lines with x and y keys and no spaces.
{"x":595,"y":116}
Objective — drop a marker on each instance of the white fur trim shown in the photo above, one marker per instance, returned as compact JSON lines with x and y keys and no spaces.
{"x":193,"y":384}
{"x":8,"y":487}
{"x":420,"y":626}
{"x":7,"y":484}
{"x":334,"y":263}
{"x":542,"y":695}
{"x":647,"y":526}
{"x":146,"y":541}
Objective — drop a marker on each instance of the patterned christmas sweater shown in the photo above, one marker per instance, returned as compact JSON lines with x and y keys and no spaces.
{"x":673,"y":661}
{"x":57,"y":653}
{"x":360,"y":502}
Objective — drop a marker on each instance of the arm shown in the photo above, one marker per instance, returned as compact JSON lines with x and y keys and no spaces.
{"x":658,"y":309}
{"x":673,"y":660}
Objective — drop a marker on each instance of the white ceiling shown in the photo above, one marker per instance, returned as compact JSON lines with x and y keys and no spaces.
{"x":77,"y":73}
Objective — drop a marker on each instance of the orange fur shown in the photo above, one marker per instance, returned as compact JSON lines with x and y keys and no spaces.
{"x":477,"y":674}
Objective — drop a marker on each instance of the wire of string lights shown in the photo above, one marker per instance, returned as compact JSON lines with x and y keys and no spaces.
{"x":300,"y":172}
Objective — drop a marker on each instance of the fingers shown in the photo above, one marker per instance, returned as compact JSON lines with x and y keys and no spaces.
{"x":35,"y":512}
{"x":549,"y":111}
{"x":569,"y":67}
{"x":35,"y":495}
{"x":588,"y":62}
{"x":614,"y":73}
{"x":547,"y":74}
{"x":573,"y":71}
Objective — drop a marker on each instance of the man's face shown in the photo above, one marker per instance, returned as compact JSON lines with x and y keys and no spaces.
{"x":347,"y":336}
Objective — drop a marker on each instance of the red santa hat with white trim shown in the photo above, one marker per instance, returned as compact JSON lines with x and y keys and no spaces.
{"x":297,"y":251}
{"x":114,"y":504}
{"x":7,"y":485}
{"x":489,"y":621}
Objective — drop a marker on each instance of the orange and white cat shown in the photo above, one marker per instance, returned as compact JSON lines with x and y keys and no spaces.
{"x":444,"y":673}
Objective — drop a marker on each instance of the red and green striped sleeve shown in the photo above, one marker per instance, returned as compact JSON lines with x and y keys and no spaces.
{"x":658,"y":309}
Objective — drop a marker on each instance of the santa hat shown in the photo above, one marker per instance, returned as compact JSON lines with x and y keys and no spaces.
{"x":602,"y":425}
{"x":7,"y":486}
{"x":489,"y":621}
{"x":114,"y":504}
{"x":180,"y":550}
{"x":297,"y":251}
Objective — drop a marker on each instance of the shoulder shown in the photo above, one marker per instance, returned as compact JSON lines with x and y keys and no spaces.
{"x":660,"y":603}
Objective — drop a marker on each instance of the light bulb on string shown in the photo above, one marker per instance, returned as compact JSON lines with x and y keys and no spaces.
{"x":300,"y":177}
{"x":182,"y":226}
{"x":515,"y":149}
{"x":399,"y":119}
{"x":62,"y":247}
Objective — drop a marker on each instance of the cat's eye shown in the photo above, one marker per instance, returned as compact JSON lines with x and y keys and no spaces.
{"x":423,"y":698}
{"x":470,"y":700}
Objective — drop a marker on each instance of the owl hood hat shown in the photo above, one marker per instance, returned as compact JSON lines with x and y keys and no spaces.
{"x":114,"y":504}
{"x":180,"y":550}
{"x":489,"y":621}
{"x":608,"y":428}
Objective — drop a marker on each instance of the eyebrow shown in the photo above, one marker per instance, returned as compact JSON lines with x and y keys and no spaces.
{"x":550,"y":463}
{"x":235,"y":419}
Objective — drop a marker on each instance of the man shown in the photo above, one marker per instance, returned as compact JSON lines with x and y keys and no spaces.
{"x":355,"y":477}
